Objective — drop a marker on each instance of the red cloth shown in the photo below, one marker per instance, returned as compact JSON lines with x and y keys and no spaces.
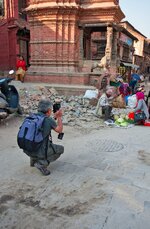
{"x":21,"y":64}
{"x":146,"y":123}
{"x":131,"y":115}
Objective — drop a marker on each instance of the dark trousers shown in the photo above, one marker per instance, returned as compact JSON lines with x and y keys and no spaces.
{"x":106,"y":110}
{"x":53,"y":153}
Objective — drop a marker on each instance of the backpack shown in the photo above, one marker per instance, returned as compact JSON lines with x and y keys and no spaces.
{"x":30,"y":134}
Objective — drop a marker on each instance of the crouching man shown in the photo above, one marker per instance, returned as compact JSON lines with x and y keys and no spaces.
{"x":105,"y":103}
{"x":48,"y":152}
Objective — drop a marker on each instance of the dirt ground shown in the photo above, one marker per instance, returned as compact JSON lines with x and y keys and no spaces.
{"x":102,"y":181}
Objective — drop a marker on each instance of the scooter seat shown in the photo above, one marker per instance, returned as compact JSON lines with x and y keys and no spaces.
{"x":2,"y":81}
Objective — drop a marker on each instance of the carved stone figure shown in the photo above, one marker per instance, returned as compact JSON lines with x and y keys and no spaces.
{"x":102,"y":65}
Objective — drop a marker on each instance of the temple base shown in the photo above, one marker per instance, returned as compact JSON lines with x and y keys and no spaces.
{"x":73,"y":78}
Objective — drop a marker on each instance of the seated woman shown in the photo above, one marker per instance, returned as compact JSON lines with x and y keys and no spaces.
{"x":21,"y":69}
{"x":141,"y":105}
{"x":124,"y":90}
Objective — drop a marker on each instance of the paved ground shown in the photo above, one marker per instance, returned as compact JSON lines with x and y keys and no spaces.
{"x":101,"y":182}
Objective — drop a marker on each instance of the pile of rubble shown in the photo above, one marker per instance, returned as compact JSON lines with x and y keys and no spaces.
{"x":77,"y":110}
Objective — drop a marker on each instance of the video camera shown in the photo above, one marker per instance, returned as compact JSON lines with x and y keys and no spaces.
{"x":56,"y":107}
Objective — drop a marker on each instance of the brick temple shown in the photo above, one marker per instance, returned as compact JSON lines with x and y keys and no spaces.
{"x":61,"y":40}
{"x":66,"y":36}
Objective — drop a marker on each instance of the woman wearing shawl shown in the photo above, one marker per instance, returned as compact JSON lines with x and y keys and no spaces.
{"x":141,"y":105}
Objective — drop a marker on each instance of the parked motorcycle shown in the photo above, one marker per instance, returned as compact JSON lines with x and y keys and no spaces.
{"x":9,"y":97}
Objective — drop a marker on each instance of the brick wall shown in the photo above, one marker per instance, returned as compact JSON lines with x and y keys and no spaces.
{"x":78,"y":79}
{"x":4,"y":44}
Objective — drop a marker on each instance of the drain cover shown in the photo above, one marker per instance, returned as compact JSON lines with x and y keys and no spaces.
{"x":104,"y":145}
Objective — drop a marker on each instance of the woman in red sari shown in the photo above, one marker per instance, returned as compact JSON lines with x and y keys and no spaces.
{"x":21,"y":69}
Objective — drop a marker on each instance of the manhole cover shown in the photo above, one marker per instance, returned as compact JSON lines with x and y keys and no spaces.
{"x":104,"y":145}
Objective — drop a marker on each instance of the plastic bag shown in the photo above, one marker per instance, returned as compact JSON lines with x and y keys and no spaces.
{"x":132,"y":101}
{"x":89,"y":94}
{"x":119,"y":102}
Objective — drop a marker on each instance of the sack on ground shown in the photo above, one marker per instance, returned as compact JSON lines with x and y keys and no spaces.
{"x":30,"y":135}
{"x":119,"y":102}
{"x":132,"y":101}
{"x":89,"y":94}
{"x":139,"y":116}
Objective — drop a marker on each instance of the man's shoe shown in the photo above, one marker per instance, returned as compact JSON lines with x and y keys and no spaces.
{"x":42,"y":169}
{"x":32,"y":162}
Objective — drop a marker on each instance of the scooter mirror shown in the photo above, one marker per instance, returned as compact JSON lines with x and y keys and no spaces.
{"x":11,"y":72}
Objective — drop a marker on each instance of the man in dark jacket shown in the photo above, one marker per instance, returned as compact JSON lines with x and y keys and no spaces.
{"x":48,"y":152}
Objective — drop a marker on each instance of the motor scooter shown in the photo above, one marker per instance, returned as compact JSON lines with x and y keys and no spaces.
{"x":9,"y":97}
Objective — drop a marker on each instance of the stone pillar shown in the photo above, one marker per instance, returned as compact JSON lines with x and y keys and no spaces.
{"x":73,"y":51}
{"x":115,"y":54}
{"x":81,"y":54}
{"x":108,"y":51}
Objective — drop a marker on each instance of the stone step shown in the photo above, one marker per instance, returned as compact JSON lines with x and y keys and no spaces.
{"x":72,"y":89}
{"x":62,"y":89}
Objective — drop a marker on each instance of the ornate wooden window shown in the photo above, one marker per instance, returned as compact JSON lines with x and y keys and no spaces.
{"x":1,"y":7}
{"x":125,"y":53}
